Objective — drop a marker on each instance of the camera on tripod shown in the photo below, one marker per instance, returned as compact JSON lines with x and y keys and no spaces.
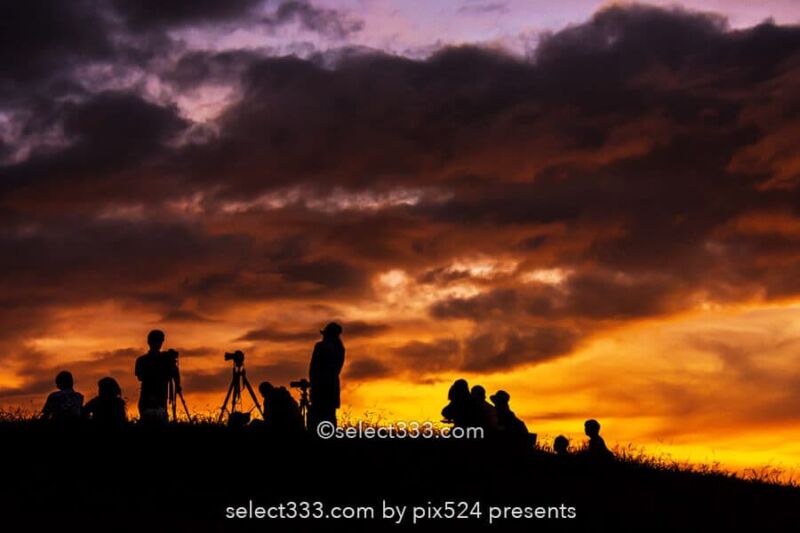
{"x":237,"y":357}
{"x":305,"y":401}
{"x":238,"y":382}
{"x":302,"y":384}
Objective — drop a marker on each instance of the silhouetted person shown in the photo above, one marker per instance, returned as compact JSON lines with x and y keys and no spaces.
{"x":326,"y":364}
{"x":107,"y":409}
{"x":486,"y":414}
{"x":155,"y":370}
{"x":561,"y":445}
{"x":281,"y":412}
{"x":597,"y":446}
{"x":510,"y":426}
{"x":63,"y":405}
{"x":461,"y":409}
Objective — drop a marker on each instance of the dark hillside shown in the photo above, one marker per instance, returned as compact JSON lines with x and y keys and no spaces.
{"x":184,"y":477}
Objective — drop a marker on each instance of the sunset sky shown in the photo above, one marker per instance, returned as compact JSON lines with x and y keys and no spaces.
{"x":592,"y":205}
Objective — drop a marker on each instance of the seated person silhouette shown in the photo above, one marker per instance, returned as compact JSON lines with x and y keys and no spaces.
{"x":561,"y":445}
{"x":63,"y":405}
{"x":485,"y":413}
{"x":107,"y":409}
{"x":509,"y":425}
{"x":461,"y":410}
{"x":281,"y":412}
{"x":155,"y":370}
{"x":596,"y":447}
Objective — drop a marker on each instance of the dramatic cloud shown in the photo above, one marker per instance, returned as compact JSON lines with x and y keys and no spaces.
{"x":470,"y":211}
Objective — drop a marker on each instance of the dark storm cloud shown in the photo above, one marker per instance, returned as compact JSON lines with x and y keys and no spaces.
{"x":39,"y":37}
{"x":623,"y":153}
{"x":329,"y":22}
{"x":498,"y":302}
{"x":496,"y":351}
{"x":111,"y":137}
{"x":584,"y":295}
{"x":197,"y":67}
{"x":145,"y":14}
{"x":152,"y":14}
{"x":279,"y":333}
{"x":367,"y":368}
{"x":432,"y":356}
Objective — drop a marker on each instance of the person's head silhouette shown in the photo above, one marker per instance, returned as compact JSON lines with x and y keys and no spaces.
{"x":459,"y":390}
{"x":500,"y":399}
{"x":108,"y":388}
{"x":478,"y":393}
{"x":155,"y":339}
{"x":331,"y":331}
{"x":591,"y":427}
{"x":64,"y":380}
{"x":265,"y":388}
{"x":561,"y":445}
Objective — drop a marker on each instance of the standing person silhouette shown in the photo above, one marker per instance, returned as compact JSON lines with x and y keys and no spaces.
{"x":326,"y":364}
{"x":155,"y":370}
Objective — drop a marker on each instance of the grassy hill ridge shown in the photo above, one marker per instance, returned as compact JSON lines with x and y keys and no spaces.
{"x":189,"y":477}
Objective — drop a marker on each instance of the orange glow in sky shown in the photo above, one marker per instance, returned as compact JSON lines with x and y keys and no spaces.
{"x":592,"y":205}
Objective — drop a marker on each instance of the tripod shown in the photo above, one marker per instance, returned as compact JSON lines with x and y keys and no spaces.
{"x":304,"y":405}
{"x":174,"y":404}
{"x":235,"y":389}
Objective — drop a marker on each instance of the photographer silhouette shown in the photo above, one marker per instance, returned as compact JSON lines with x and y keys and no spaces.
{"x":326,"y":364}
{"x":156,"y":370}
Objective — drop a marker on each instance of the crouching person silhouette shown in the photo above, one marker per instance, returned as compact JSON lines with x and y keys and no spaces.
{"x":326,"y":364}
{"x":155,"y":370}
{"x":107,"y":409}
{"x":282,"y":416}
{"x":63,"y":405}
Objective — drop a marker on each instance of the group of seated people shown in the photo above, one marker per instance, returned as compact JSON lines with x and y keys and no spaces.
{"x":107,"y":409}
{"x":469,"y":408}
{"x":595,"y":448}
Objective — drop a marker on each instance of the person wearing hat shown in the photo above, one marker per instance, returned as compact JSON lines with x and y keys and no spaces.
{"x":510,"y":426}
{"x":327,"y":361}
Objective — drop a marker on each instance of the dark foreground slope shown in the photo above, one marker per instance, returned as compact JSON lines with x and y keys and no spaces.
{"x":184,"y":478}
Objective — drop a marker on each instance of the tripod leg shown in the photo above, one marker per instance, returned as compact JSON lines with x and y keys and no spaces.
{"x":186,"y":409}
{"x":171,"y":399}
{"x":237,"y":393}
{"x":252,"y":394}
{"x":225,"y":403}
